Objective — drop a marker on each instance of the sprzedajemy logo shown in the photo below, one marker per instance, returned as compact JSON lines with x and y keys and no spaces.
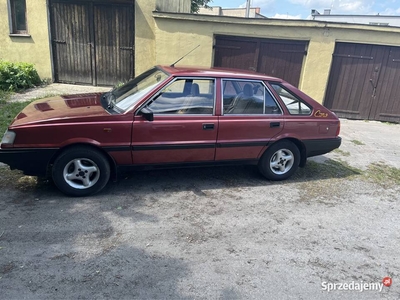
{"x":356,"y":286}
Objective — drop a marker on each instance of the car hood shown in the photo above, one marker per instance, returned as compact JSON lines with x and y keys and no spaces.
{"x":61,"y":108}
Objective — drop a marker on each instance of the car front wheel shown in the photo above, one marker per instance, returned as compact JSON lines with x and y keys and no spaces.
{"x":280,"y":161}
{"x":81,"y":171}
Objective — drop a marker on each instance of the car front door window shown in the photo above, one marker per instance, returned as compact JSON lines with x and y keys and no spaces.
{"x":185,"y":96}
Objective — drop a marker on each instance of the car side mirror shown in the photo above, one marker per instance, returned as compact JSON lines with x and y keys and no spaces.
{"x":147,"y":114}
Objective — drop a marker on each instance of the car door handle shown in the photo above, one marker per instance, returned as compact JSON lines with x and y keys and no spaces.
{"x":208,"y":126}
{"x":274,"y":124}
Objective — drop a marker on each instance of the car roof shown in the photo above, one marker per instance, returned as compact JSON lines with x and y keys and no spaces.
{"x":217,"y":72}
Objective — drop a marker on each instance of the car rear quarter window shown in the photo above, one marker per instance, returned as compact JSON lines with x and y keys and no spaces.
{"x":293,"y":103}
{"x":244,"y":97}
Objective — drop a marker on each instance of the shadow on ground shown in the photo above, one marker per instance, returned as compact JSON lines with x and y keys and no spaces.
{"x":185,"y":179}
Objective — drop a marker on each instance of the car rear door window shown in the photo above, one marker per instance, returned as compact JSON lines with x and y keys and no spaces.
{"x":294,"y":104}
{"x":186,"y":96}
{"x":243,"y":97}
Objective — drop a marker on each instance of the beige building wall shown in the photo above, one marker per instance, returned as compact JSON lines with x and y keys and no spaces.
{"x":177,"y":34}
{"x":144,"y":35}
{"x":145,"y":28}
{"x":33,"y":48}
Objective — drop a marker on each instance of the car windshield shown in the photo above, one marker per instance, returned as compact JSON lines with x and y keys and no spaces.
{"x":130,"y":93}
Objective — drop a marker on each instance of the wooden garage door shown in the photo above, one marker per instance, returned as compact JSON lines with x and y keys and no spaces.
{"x":71,"y":43}
{"x":363,"y":82}
{"x":387,"y":95}
{"x":279,"y":58}
{"x":93,"y":41}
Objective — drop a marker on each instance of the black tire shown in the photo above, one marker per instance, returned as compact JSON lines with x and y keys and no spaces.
{"x":280,"y":160}
{"x":81,"y":171}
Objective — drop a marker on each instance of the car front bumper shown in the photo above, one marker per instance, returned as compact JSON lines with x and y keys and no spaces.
{"x":31,"y":161}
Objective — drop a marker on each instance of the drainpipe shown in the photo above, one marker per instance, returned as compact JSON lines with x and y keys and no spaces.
{"x":248,"y":9}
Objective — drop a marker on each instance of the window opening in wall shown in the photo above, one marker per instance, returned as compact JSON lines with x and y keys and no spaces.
{"x":17,"y":15}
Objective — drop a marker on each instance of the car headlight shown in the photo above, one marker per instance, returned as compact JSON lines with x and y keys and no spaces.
{"x":8,"y":137}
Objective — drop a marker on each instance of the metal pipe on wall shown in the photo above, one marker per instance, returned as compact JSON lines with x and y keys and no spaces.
{"x":248,"y":8}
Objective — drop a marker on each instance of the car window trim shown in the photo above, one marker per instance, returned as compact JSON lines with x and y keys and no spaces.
{"x":130,"y":108}
{"x":295,"y":95}
{"x":250,"y":80}
{"x":179,"y":78}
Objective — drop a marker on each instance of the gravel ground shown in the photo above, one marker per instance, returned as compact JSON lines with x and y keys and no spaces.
{"x":56,"y":89}
{"x":212,"y":233}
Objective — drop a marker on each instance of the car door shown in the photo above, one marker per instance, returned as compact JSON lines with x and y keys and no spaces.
{"x":250,"y":118}
{"x":184,"y":126}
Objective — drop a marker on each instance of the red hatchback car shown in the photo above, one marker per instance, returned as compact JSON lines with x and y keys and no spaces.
{"x":170,"y":116}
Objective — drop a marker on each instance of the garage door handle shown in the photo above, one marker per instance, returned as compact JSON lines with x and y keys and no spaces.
{"x":208,"y":126}
{"x":126,"y":48}
{"x":274,"y":124}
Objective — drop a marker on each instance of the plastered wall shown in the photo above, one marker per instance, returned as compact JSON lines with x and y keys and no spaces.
{"x":34,"y":48}
{"x":177,"y":34}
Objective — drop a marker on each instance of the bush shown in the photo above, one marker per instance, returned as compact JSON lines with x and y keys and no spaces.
{"x":17,"y":76}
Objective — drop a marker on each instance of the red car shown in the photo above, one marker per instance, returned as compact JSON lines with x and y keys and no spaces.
{"x":170,"y":116}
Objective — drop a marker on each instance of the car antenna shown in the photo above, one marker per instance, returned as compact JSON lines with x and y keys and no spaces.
{"x":173,"y":65}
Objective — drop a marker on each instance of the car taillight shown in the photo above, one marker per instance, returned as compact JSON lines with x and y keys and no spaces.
{"x":338,"y":129}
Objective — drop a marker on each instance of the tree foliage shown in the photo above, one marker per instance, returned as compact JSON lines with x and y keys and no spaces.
{"x":196,"y":4}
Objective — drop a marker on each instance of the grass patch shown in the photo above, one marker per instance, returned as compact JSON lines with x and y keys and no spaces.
{"x":8,"y":111}
{"x":4,"y":96}
{"x":16,"y":180}
{"x":382,"y":175}
{"x":341,"y":152}
{"x":357,"y":142}
{"x":390,"y":123}
{"x":327,"y":170}
{"x":326,"y":182}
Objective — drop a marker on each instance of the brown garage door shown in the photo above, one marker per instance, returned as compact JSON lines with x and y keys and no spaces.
{"x":279,"y":58}
{"x":92,"y":41}
{"x":363,"y":82}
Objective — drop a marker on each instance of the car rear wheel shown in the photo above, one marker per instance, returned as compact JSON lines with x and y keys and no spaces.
{"x":81,"y":171}
{"x":280,"y":161}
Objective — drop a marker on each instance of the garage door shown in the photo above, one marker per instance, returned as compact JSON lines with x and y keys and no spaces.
{"x":279,"y":58}
{"x":92,"y":41}
{"x":363,"y":82}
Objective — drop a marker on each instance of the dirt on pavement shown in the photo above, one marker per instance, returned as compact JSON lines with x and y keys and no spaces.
{"x":212,"y":233}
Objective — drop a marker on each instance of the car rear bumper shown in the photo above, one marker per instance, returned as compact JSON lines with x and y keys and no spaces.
{"x":31,"y":161}
{"x":319,"y":147}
